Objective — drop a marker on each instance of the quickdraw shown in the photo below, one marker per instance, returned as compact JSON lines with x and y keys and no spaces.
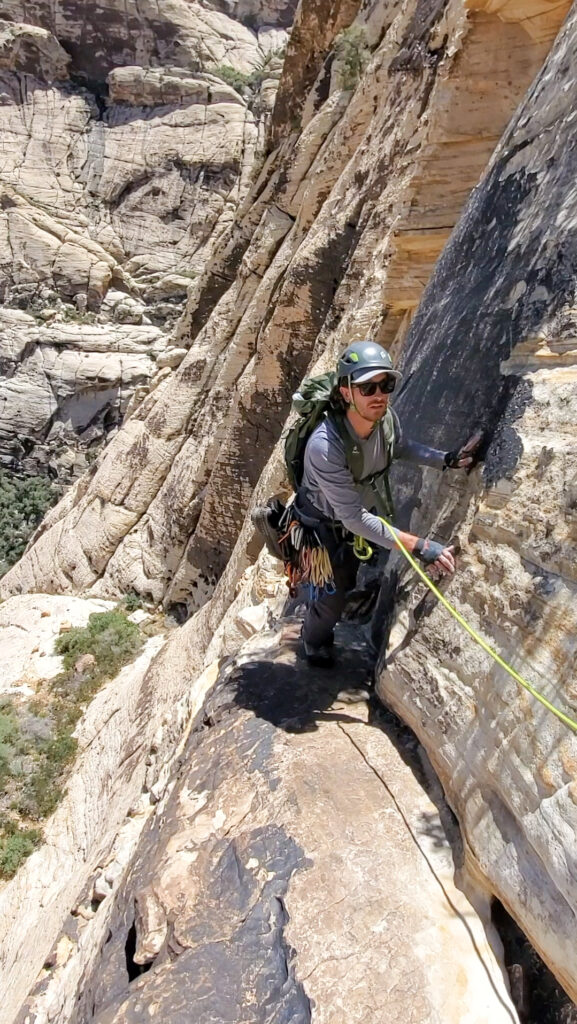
{"x":306,"y":559}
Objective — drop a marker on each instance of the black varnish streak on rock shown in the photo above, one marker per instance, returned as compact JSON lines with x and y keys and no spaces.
{"x":470,"y":321}
{"x":246,"y":976}
{"x":229,"y":960}
{"x":414,"y":52}
{"x":225,"y":957}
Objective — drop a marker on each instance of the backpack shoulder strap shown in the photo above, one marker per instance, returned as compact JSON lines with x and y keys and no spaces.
{"x":353,"y":453}
{"x":390,"y":429}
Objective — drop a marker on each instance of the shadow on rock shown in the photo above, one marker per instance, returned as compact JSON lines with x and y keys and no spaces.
{"x":283,"y":689}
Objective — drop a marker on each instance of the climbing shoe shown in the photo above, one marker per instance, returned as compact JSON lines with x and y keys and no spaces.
{"x":321,"y":657}
{"x":267,"y":518}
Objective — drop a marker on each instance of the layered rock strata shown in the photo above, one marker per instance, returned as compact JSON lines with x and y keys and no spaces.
{"x":311,"y":252}
{"x":112,"y":191}
{"x":298,"y":858}
{"x":110,"y":33}
{"x":304,"y":268}
{"x":126,"y":741}
{"x":507,"y":279}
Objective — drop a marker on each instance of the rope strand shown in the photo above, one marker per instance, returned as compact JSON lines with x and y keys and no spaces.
{"x":566,"y":719}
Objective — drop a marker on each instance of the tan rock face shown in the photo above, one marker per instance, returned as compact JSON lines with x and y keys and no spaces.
{"x":316,"y":256}
{"x":32,"y":50}
{"x":126,"y":742}
{"x":68,"y":381}
{"x":335,"y":242}
{"x":111,"y":33}
{"x":297,"y":872}
{"x":507,"y":764}
{"x":120,"y":194}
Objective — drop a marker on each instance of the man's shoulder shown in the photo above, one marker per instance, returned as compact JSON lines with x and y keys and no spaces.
{"x":325,"y":439}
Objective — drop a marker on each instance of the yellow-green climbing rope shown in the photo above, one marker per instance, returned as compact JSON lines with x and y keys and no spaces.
{"x":476,"y":636}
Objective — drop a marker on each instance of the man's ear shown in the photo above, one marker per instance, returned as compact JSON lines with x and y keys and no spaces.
{"x":346,"y":394}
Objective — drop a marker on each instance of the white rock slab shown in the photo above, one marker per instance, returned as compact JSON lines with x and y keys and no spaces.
{"x":29,"y":625}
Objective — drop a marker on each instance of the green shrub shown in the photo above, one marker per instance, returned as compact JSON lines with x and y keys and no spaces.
{"x":239,"y":80}
{"x":23,"y":502}
{"x":70,"y":314}
{"x":250,"y":81}
{"x":42,"y":790}
{"x":36,"y":741}
{"x":131,"y":601}
{"x":10,"y":741}
{"x":109,"y":636}
{"x":352,"y":51}
{"x":16,"y":844}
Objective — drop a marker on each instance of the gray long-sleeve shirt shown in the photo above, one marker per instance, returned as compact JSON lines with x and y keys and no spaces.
{"x":329,"y":484}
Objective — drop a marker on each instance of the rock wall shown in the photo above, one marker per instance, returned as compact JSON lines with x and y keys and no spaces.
{"x":111,"y":33}
{"x":298,"y":858}
{"x":507,"y":281}
{"x":115,"y":182}
{"x":304,"y":267}
{"x":336,"y":240}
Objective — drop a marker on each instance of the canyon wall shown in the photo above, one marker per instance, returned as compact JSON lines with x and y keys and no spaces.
{"x":493,"y":343}
{"x":383,"y":154}
{"x":126,"y":152}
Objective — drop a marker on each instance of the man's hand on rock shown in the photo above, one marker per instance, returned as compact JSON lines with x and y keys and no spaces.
{"x":432,"y":553}
{"x":466,"y":456}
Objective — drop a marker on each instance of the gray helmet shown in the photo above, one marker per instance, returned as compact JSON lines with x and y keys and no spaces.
{"x":363,"y":360}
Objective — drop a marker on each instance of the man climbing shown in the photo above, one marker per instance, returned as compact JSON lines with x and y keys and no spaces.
{"x":338,"y":498}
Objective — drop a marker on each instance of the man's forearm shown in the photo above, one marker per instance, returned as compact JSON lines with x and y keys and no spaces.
{"x":419,"y":454}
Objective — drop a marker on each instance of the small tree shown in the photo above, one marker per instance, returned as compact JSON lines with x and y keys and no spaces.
{"x":352,"y":53}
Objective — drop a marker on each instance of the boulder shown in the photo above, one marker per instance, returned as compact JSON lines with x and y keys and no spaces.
{"x":33,"y":51}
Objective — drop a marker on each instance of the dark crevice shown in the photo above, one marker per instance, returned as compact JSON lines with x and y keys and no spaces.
{"x":536,"y":993}
{"x":134,"y":970}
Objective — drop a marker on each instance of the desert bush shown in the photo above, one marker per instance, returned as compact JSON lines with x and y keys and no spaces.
{"x":23,"y":502}
{"x":16,"y":843}
{"x":352,"y":52}
{"x":131,"y":601}
{"x":248,"y":81}
{"x":109,"y":636}
{"x":36,"y":741}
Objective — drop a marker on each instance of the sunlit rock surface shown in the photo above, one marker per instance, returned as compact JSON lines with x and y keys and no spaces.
{"x":346,"y":213}
{"x":337,"y":239}
{"x":121,"y":166}
{"x":507,"y":281}
{"x":298,"y":871}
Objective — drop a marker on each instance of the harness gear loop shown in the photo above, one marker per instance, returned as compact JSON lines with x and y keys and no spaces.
{"x":566,"y":719}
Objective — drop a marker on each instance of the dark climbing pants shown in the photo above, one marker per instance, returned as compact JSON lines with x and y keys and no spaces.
{"x":323,"y":614}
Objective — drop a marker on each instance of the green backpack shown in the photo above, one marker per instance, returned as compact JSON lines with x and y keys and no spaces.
{"x":313,"y":402}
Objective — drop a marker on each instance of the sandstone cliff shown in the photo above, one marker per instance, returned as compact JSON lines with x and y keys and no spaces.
{"x":381,"y":130}
{"x":125,"y":153}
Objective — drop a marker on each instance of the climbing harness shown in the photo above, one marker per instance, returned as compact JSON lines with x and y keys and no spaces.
{"x":478,"y":638}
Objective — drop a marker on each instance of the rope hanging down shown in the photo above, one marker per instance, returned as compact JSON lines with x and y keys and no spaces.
{"x":479,"y":639}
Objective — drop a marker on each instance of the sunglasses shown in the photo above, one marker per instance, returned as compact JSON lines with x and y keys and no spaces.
{"x":386,"y":387}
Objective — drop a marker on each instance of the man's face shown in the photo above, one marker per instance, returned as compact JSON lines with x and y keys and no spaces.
{"x":370,"y":407}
